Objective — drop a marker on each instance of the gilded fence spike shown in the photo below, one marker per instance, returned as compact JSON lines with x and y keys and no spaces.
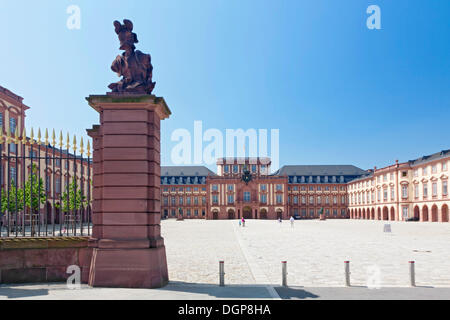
{"x":16,"y":136}
{"x":68,"y":142}
{"x":32,"y":137}
{"x":74,"y":143}
{"x":39,"y":136}
{"x":88,"y":149}
{"x":81,"y":146}
{"x":8,"y":135}
{"x":53,"y":138}
{"x":60,"y":140}
{"x":46,"y":137}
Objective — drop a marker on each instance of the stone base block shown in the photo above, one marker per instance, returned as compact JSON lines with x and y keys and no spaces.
{"x":129,"y":268}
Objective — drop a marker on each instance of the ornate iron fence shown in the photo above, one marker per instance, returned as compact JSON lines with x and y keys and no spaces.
{"x":45,"y":190}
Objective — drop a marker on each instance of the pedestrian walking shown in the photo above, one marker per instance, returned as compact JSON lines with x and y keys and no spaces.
{"x":292,"y":222}
{"x":240,"y":223}
{"x":243,"y":222}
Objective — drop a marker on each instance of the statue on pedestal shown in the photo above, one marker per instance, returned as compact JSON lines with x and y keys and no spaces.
{"x":134,"y":66}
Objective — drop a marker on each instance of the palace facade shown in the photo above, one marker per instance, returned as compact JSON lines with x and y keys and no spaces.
{"x":414,"y":190}
{"x":57,"y":167}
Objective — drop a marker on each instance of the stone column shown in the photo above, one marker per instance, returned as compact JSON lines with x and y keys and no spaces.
{"x":128,"y":250}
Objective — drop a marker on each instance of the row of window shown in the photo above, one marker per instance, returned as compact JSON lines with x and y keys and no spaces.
{"x":316,"y":200}
{"x":443,"y":166}
{"x":318,"y":188}
{"x":181,"y":189}
{"x":239,"y":168}
{"x":182,"y":200}
{"x":262,"y":187}
{"x":181,"y":212}
{"x":369,"y":197}
{"x":316,"y":213}
{"x":247,"y":198}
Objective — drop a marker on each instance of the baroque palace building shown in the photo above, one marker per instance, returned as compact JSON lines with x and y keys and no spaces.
{"x":414,"y":190}
{"x":57,"y":167}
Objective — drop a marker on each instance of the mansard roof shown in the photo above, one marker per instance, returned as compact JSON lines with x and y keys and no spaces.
{"x":320,"y":170}
{"x":186,"y":171}
{"x":435,"y":156}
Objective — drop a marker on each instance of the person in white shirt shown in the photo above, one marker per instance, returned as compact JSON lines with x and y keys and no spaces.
{"x":292,"y":221}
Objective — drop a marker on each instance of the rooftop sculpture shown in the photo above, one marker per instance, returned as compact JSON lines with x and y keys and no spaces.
{"x":133,"y":66}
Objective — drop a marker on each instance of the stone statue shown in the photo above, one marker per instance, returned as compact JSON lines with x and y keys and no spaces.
{"x":134,"y":66}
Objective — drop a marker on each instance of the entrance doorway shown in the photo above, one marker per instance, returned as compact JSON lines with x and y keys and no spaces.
{"x":247,"y":213}
{"x":279,"y":214}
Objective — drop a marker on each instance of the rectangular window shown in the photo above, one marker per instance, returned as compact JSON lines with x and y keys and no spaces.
{"x":319,"y":200}
{"x":279,"y":199}
{"x":434,"y":189}
{"x":230,"y":199}
{"x":226,"y":169}
{"x":215,"y":187}
{"x":434,"y":169}
{"x":254,"y":168}
{"x":57,"y":185}
{"x":215,"y":199}
{"x":166,"y":201}
{"x":173,"y":200}
{"x":12,"y":125}
{"x":180,"y":201}
{"x":230,"y":187}
{"x":295,"y":200}
{"x":424,"y":171}
{"x":279,"y":187}
{"x":247,"y":196}
{"x":416,"y":191}
{"x":188,"y":201}
{"x":392,"y":193}
{"x":311,"y":200}
{"x":13,"y":175}
{"x":263,"y":187}
{"x":196,"y":200}
{"x":235,"y":169}
{"x":303,"y":200}
{"x":263,"y":198}
{"x":425,"y":190}
{"x":444,"y":166}
{"x":444,"y":188}
{"x":404,"y":191}
{"x":334,"y":200}
{"x":203,"y":200}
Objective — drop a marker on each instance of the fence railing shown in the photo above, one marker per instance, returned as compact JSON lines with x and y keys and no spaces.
{"x":45,"y":188}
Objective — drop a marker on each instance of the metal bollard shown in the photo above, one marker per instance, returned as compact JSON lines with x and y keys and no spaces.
{"x":412,"y":273}
{"x":347,"y":273}
{"x":221,"y":273}
{"x":284,"y":273}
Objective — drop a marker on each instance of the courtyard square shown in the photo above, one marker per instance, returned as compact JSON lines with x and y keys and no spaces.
{"x":314,"y":250}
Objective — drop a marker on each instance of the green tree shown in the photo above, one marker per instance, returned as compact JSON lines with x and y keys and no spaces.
{"x":73,"y":198}
{"x":12,"y":205}
{"x":34,"y":191}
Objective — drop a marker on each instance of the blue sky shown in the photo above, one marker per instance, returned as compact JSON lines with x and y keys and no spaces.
{"x":339,"y":92}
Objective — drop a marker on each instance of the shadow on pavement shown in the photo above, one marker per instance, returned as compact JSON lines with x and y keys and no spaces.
{"x":287,"y":293}
{"x":12,"y":292}
{"x":226,"y":292}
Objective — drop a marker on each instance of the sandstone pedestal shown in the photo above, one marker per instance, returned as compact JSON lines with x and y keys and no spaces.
{"x":129,"y":251}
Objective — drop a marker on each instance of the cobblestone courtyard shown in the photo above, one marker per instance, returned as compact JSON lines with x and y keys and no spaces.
{"x":315,"y":251}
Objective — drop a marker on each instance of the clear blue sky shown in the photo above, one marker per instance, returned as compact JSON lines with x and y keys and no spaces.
{"x":339,"y":92}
